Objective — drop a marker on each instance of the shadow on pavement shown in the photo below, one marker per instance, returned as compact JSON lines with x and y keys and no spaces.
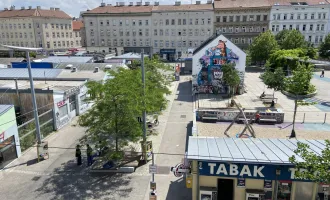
{"x":184,"y":89}
{"x":189,"y":133}
{"x":72,"y":182}
{"x":178,"y":190}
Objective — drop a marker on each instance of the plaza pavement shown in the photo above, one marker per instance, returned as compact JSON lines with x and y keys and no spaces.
{"x":60,"y":178}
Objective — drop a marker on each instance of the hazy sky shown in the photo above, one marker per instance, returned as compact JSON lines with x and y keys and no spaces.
{"x":73,"y":7}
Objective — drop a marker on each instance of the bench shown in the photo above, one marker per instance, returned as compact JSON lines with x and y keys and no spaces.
{"x":210,"y":118}
{"x":269,"y":100}
{"x":267,"y":96}
{"x":273,"y":121}
{"x":242,"y":119}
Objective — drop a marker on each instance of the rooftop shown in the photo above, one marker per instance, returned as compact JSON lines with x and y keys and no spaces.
{"x":11,"y":73}
{"x":256,"y":150}
{"x":67,"y":59}
{"x":37,"y":12}
{"x":77,"y":25}
{"x":4,"y":108}
{"x":182,"y":7}
{"x":298,"y":3}
{"x":109,"y":9}
{"x":8,"y":61}
{"x":129,"y":56}
{"x":232,"y":4}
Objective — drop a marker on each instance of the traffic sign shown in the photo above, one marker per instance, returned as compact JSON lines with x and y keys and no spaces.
{"x":153,"y":169}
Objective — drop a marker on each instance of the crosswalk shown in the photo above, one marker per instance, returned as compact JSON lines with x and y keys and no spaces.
{"x":314,"y":99}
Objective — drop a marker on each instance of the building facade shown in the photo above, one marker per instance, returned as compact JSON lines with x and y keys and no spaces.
{"x":49,"y":29}
{"x":77,"y":27}
{"x":310,"y":17}
{"x":167,"y":30}
{"x":241,"y":21}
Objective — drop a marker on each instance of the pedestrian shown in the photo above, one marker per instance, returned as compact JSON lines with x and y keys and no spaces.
{"x":257,"y":118}
{"x":322,"y":74}
{"x":89,"y":155}
{"x":78,"y":155}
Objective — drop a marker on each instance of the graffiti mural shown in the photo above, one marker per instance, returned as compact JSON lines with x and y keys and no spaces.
{"x":209,"y":79}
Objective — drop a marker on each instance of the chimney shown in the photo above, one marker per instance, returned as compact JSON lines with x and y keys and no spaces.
{"x":57,"y":9}
{"x":131,"y":3}
{"x":209,"y":1}
{"x":117,"y":3}
{"x":38,"y":7}
{"x":51,"y":8}
{"x":177,"y":3}
{"x":5,"y":8}
{"x":147,"y":3}
{"x":198,"y":2}
{"x":121,"y":3}
{"x":30,"y":7}
{"x":156,"y":3}
{"x":22,"y":8}
{"x":12,"y":7}
{"x":138,"y":3}
{"x":102,"y":4}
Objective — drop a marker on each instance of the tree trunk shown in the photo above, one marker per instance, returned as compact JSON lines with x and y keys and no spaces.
{"x":293,"y":133}
{"x":116,"y":127}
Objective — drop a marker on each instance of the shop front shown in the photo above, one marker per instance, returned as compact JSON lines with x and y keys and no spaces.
{"x":249,"y":169}
{"x":9,"y":139}
{"x":168,"y":54}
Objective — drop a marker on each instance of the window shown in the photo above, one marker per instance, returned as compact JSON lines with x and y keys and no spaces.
{"x":243,"y":41}
{"x":63,"y":43}
{"x":190,"y":32}
{"x":312,"y":16}
{"x":147,"y":23}
{"x":316,"y":39}
{"x":20,"y":35}
{"x":167,"y":32}
{"x":179,"y":33}
{"x":278,"y":16}
{"x":134,"y":33}
{"x":305,"y":16}
{"x":265,"y":17}
{"x":224,"y":29}
{"x":167,"y":22}
{"x":93,"y":42}
{"x":61,"y":28}
{"x":108,"y":22}
{"x":291,"y":16}
{"x":62,"y":35}
{"x":70,"y":34}
{"x":161,"y":32}
{"x":115,"y":42}
{"x":231,"y":18}
{"x":58,"y":35}
{"x":90,"y":23}
{"x":319,"y":16}
{"x":274,"y":17}
{"x":47,"y":35}
{"x":108,"y":32}
{"x":258,"y":17}
{"x":190,"y":43}
{"x":251,"y":28}
{"x":59,"y":43}
{"x":167,"y":43}
{"x":324,"y":15}
{"x":184,"y":32}
{"x":209,"y":21}
{"x":310,"y":38}
{"x":179,"y":21}
{"x":321,"y":39}
{"x":25,"y":35}
{"x":161,"y":43}
{"x":251,"y":18}
{"x":196,"y":32}
{"x":120,"y":22}
{"x":141,"y":42}
{"x":179,"y":43}
{"x":66,"y":27}
{"x":317,"y":27}
{"x":284,"y":27}
{"x":134,"y":42}
{"x":53,"y":34}
{"x":19,"y":26}
{"x":155,"y":43}
{"x":224,"y":19}
{"x":24,"y":26}
{"x":114,"y":22}
{"x":38,"y":25}
{"x":173,"y":32}
{"x":184,"y":21}
{"x":127,"y":32}
{"x":121,"y":33}
{"x":140,"y":32}
{"x":155,"y":32}
{"x":322,"y":27}
{"x":203,"y":22}
{"x":173,"y":22}
{"x":155,"y":22}
{"x":128,"y":43}
{"x":133,"y":22}
{"x":243,"y":29}
{"x":172,"y":43}
{"x":297,"y":27}
{"x":290,"y":27}
{"x":230,"y":29}
{"x":238,"y":18}
{"x":121,"y":42}
{"x":298,"y":16}
{"x":217,"y":19}
{"x":147,"y":42}
{"x":146,"y":32}
{"x":236,"y":40}
{"x":140,"y":22}
{"x":236,"y":30}
{"x":183,"y":43}
{"x":285,"y":16}
{"x":304,"y":27}
{"x":311,"y":27}
{"x":54,"y":44}
{"x":190,"y":21}
{"x":273,"y":28}
{"x":52,"y":26}
{"x":161,"y":22}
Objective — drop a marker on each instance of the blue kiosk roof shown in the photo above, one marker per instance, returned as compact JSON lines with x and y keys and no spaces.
{"x":248,"y":150}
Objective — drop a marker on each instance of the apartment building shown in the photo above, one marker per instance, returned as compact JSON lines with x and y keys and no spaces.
{"x":167,"y":30}
{"x":310,"y":17}
{"x":35,"y":27}
{"x":241,"y":21}
{"x":78,"y":36}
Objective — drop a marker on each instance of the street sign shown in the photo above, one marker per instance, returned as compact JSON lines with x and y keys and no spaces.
{"x":152,"y":169}
{"x":176,"y":170}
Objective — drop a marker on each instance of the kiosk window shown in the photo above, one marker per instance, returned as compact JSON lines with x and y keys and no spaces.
{"x":7,"y":151}
{"x":284,"y":190}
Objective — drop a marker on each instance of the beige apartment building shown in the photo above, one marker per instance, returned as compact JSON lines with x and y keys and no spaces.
{"x":241,"y":21}
{"x":35,"y":27}
{"x":77,"y":27}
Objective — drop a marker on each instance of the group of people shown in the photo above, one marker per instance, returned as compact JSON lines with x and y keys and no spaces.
{"x":89,"y":155}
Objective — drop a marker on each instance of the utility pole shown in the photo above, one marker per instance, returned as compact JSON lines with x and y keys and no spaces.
{"x":144,"y":117}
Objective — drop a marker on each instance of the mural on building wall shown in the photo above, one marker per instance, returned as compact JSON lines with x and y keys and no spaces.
{"x":209,"y":79}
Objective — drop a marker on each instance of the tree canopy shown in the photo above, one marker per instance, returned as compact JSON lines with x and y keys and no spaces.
{"x":286,"y":59}
{"x":325,"y":47}
{"x":262,"y":46}
{"x":230,"y":76}
{"x":280,"y":36}
{"x":299,"y":82}
{"x":293,"y":39}
{"x":274,"y":78}
{"x":113,"y":119}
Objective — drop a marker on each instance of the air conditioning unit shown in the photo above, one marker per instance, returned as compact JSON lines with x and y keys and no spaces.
{"x":139,"y":3}
{"x":74,"y":69}
{"x":131,"y":3}
{"x":69,"y":66}
{"x":96,"y":69}
{"x":177,"y":3}
{"x":147,"y":3}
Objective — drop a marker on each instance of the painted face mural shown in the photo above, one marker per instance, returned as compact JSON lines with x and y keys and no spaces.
{"x":209,"y":79}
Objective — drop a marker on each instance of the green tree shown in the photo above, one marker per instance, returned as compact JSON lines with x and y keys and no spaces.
{"x":119,"y":101}
{"x":231,"y":77}
{"x":262,"y":46}
{"x":324,"y":48}
{"x":311,"y":52}
{"x":274,"y":78}
{"x":293,"y":40}
{"x":299,"y":84}
{"x":280,"y":36}
{"x":315,"y":167}
{"x":248,"y":60}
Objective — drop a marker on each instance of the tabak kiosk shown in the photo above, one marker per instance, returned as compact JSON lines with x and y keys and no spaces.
{"x":249,"y":169}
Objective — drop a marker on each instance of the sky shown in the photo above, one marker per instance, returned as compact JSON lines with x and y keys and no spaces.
{"x":73,"y":7}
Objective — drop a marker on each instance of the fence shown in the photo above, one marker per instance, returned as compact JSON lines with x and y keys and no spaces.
{"x":308,"y":117}
{"x":27,"y":131}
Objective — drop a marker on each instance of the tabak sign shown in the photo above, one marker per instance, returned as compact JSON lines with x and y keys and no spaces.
{"x":254,"y":171}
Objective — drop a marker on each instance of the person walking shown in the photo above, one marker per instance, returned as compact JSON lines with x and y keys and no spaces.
{"x":89,"y":155}
{"x":257,"y":118}
{"x":322,"y":74}
{"x":78,"y":155}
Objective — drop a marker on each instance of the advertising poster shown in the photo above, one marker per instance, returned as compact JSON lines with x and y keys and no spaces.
{"x":240,"y":182}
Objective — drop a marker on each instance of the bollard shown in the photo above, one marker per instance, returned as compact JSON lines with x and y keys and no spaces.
{"x":325,"y":117}
{"x":304,"y":118}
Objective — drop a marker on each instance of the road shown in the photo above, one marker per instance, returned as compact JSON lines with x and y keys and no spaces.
{"x":60,"y":178}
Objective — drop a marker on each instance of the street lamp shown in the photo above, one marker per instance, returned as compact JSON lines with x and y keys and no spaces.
{"x":35,"y":108}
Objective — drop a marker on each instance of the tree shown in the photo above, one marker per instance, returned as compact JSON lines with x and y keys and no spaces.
{"x":248,"y":60}
{"x":293,"y":40}
{"x":311,"y":52}
{"x":231,"y":77}
{"x":315,"y":167}
{"x":262,"y":46}
{"x":299,"y":84}
{"x":113,"y":119}
{"x":274,"y":78}
{"x":324,"y":48}
{"x":280,"y":36}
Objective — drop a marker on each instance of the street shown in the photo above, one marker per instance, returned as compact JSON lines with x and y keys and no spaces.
{"x":60,"y":178}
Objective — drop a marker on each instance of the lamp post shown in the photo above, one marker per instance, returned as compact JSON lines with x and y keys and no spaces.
{"x":35,"y":108}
